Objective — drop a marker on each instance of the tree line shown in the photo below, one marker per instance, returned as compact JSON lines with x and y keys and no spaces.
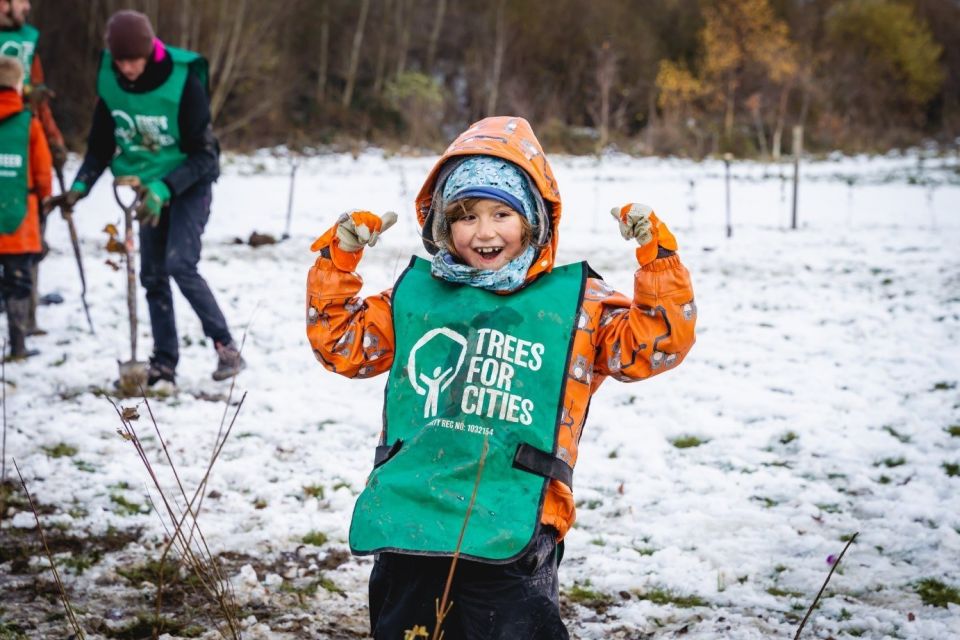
{"x":689,"y":77}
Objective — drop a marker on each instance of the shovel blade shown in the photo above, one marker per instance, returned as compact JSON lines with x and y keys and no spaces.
{"x":133,"y":377}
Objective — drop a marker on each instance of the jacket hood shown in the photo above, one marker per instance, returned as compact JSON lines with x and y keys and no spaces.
{"x":512,"y":139}
{"x":10,"y":102}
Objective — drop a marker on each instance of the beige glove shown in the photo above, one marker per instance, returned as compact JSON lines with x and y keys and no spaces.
{"x":358,"y":229}
{"x":634,"y":220}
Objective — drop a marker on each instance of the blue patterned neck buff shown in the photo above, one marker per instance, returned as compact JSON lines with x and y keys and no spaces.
{"x":509,"y":277}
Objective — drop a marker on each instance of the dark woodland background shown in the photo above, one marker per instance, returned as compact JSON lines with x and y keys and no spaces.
{"x":689,"y":77}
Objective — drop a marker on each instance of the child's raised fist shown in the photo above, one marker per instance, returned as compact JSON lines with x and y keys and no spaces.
{"x":357,"y":229}
{"x":353,"y":231}
{"x":639,"y":222}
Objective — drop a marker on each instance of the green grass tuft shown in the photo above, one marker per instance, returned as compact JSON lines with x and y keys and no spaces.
{"x":127,"y":508}
{"x":665,"y":596}
{"x":687,"y":442}
{"x":314,"y":491}
{"x":61,"y":450}
{"x":152,"y":571}
{"x":316,"y":538}
{"x":783,"y":593}
{"x":583,"y":595}
{"x":952,"y":469}
{"x":84,"y":466}
{"x":330,"y":585}
{"x":937,"y":594}
{"x":788,"y":437}
{"x":954,"y":430}
{"x":10,"y":631}
{"x":768,"y":503}
{"x":890,"y":463}
{"x":905,"y":439}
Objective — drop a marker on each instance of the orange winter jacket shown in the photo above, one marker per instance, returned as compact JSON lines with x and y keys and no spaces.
{"x":615,"y":337}
{"x":26,"y":239}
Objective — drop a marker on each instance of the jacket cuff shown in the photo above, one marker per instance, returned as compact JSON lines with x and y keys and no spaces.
{"x":663,"y":264}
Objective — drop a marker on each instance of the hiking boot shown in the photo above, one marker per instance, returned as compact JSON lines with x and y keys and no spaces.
{"x":17,"y":310}
{"x":161,"y":378}
{"x":229,"y":361}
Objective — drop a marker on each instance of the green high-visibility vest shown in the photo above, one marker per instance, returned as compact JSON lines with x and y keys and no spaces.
{"x":470,"y":367}
{"x":146,"y":125}
{"x":20,"y":44}
{"x":14,"y":165}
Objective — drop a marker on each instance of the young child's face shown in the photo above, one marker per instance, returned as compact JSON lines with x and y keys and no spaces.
{"x":489,"y":236}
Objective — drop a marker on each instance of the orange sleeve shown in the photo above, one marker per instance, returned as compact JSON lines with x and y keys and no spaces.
{"x":41,"y":164}
{"x":43,"y":110}
{"x":36,"y":71}
{"x":349,"y":335}
{"x":653,"y":333}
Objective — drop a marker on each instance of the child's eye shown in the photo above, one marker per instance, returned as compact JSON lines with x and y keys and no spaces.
{"x":467,"y":218}
{"x":504,"y":213}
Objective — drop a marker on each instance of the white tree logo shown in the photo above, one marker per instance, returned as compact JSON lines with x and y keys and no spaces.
{"x":19,"y":50}
{"x":124,"y":127}
{"x":439,"y":377}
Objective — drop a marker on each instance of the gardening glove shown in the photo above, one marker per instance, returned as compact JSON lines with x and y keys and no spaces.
{"x":353,"y":231}
{"x":37,"y":94}
{"x":639,"y":222}
{"x":153,"y":196}
{"x":66,"y":201}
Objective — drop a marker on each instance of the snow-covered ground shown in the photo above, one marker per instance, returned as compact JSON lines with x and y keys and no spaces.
{"x":821,"y":400}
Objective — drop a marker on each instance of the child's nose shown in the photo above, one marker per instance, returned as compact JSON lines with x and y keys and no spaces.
{"x":485,"y":229}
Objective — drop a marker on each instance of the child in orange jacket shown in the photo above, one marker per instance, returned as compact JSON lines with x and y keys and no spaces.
{"x":493,"y":355}
{"x":25,"y":180}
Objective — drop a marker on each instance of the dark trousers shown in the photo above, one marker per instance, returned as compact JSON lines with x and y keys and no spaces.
{"x":172,"y":250}
{"x":514,"y":601}
{"x":17,"y":279}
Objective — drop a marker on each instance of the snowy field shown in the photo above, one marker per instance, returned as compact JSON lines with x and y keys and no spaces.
{"x":820,"y":400}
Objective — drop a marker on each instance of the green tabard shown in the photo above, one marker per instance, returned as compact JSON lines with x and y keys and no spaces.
{"x":469,"y":365}
{"x":14,"y":143}
{"x":20,"y":44}
{"x":146,"y":125}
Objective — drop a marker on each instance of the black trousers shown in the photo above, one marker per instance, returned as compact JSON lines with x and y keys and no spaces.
{"x":172,"y":250}
{"x":514,"y":601}
{"x":16,"y":280}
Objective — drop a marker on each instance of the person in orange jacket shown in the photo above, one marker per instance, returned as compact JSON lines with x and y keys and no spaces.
{"x":493,"y":354}
{"x":25,"y":177}
{"x":19,"y":39}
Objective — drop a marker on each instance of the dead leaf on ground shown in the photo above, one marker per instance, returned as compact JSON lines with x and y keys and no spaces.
{"x":130,"y":413}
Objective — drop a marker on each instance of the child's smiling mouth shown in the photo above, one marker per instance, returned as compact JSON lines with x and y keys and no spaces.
{"x":488,"y":254}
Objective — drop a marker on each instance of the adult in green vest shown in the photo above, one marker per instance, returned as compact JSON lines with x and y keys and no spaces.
{"x":19,"y":40}
{"x":152,"y":121}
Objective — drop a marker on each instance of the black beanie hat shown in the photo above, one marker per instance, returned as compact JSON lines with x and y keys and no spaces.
{"x":129,"y":35}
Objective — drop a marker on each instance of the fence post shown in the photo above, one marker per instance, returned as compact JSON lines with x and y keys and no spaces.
{"x":797,"y":151}
{"x":727,"y":157}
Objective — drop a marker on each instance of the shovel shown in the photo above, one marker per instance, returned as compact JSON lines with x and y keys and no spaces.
{"x":133,"y":374}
